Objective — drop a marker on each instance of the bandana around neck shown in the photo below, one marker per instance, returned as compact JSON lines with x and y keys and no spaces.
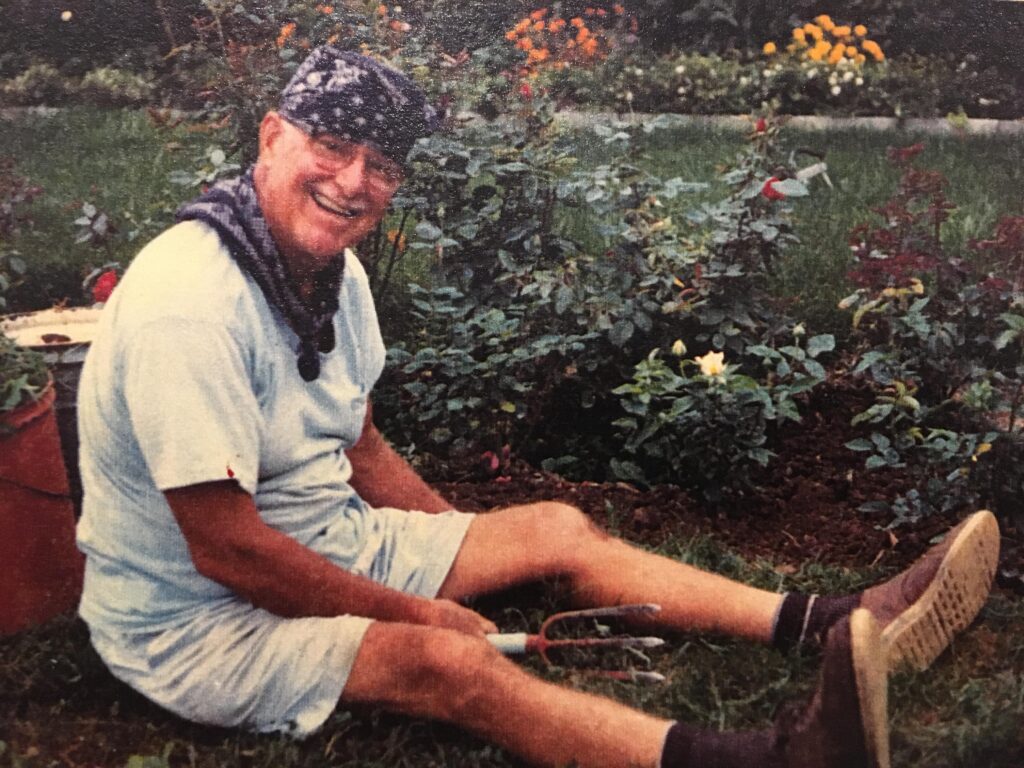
{"x":231,"y":208}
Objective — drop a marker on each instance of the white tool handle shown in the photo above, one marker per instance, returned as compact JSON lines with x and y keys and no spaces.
{"x":509,"y":643}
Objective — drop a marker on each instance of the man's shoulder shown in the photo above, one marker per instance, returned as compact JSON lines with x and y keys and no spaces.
{"x":186,"y":271}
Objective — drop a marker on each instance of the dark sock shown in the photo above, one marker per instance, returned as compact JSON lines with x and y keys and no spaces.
{"x":690,"y":747}
{"x":806,"y":619}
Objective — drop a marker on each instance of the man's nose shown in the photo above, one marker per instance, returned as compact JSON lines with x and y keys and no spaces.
{"x":351,"y":175}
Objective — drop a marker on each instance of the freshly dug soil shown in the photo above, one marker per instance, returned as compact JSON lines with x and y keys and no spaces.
{"x":803,"y":506}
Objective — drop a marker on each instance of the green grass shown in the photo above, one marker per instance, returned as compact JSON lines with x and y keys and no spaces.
{"x":120,"y":161}
{"x":61,"y":707}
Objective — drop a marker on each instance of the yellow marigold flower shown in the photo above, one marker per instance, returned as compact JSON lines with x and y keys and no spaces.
{"x":813,"y":31}
{"x":711,"y":364}
{"x":860,"y":30}
{"x":799,"y":34}
{"x":678,"y":348}
{"x":837,"y":54}
{"x":576,"y":22}
{"x":916,"y":286}
{"x":769,"y":48}
{"x":824,"y":21}
{"x":539,"y":14}
{"x":815,"y":54}
{"x":840,"y":31}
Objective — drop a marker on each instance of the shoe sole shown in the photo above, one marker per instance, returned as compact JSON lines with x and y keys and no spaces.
{"x":949,"y":604}
{"x":872,"y":681}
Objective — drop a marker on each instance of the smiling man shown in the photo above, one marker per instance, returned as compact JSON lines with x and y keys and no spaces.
{"x":257,"y":555}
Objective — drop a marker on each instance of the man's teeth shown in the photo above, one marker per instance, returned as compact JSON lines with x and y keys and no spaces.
{"x":330,"y":205}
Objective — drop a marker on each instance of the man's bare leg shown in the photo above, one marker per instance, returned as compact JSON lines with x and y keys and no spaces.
{"x":535,"y":541}
{"x":446,"y":675}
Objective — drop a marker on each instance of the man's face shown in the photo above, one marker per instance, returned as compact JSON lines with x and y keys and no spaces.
{"x":319,"y":194}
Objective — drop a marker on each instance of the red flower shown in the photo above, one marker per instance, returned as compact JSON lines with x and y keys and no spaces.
{"x":104,"y":286}
{"x":526,"y":91}
{"x":761,"y":125}
{"x":903,"y":155}
{"x":769,"y":191}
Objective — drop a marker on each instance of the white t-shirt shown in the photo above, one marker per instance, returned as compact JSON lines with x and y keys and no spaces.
{"x":192,"y":378}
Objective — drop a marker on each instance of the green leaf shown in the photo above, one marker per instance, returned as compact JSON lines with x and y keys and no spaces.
{"x":428,"y":231}
{"x":825,"y":342}
{"x":508,"y":407}
{"x":860,"y":444}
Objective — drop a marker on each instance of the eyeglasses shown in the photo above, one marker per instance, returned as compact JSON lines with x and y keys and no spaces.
{"x":337,"y":154}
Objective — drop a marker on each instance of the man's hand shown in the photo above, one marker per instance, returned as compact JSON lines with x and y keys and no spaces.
{"x":451,"y":615}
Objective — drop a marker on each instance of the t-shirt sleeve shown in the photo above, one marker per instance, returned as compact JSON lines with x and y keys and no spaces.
{"x":189,"y":395}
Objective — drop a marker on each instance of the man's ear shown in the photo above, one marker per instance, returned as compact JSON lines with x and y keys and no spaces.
{"x":271,"y":130}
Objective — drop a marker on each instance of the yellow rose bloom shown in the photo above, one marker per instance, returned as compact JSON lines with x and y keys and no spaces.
{"x":860,"y":30}
{"x":711,"y":364}
{"x":769,"y":48}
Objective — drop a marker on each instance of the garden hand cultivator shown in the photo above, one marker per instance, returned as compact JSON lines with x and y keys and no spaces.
{"x":515,"y":643}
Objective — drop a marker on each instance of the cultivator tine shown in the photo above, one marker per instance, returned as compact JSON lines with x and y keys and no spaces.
{"x":542,"y":642}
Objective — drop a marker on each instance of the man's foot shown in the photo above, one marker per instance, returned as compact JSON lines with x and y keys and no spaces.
{"x":921,"y":609}
{"x":846,"y":723}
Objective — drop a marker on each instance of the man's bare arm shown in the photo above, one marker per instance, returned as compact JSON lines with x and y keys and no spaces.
{"x":230,"y":544}
{"x":384,"y":479}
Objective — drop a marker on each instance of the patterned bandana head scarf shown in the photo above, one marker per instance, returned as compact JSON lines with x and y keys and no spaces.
{"x":336,"y":92}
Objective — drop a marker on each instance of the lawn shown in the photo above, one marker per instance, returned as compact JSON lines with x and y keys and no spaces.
{"x":60,"y":707}
{"x":120,"y":161}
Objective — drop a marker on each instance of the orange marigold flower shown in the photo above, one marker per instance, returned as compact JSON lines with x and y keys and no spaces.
{"x":582,"y":35}
{"x":799,"y":34}
{"x":382,"y":10}
{"x":816,"y":54}
{"x":538,"y":55}
{"x":576,"y":21}
{"x":769,"y":48}
{"x":618,"y":10}
{"x":286,"y":31}
{"x":861,"y":58}
{"x":511,"y":35}
{"x":326,"y":10}
{"x":556,"y":25}
{"x":590,"y":46}
{"x":539,"y":26}
{"x":332,"y":39}
{"x":813,"y":30}
{"x":523,"y":25}
{"x":840,"y":31}
{"x":525,"y":43}
{"x":824,"y":21}
{"x":837,"y":54}
{"x":539,"y":14}
{"x":860,"y":30}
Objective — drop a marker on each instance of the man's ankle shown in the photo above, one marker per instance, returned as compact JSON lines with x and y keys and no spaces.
{"x":804,"y":620}
{"x":687,"y":746}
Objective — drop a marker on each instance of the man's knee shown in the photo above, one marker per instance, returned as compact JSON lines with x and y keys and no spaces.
{"x":424,"y":671}
{"x":566,"y":523}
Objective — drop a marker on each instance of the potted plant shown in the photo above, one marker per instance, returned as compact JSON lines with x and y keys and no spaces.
{"x":42,"y":573}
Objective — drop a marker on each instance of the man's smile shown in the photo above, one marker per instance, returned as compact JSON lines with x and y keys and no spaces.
{"x":337,"y":208}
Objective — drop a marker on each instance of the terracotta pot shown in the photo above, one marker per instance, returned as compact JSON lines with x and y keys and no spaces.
{"x":41,"y":571}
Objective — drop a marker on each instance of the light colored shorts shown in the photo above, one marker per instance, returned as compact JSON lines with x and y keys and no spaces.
{"x":240,"y":666}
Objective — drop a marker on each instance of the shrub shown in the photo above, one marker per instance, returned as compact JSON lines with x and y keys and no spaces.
{"x":942,"y":342}
{"x":112,"y":87}
{"x":39,"y":84}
